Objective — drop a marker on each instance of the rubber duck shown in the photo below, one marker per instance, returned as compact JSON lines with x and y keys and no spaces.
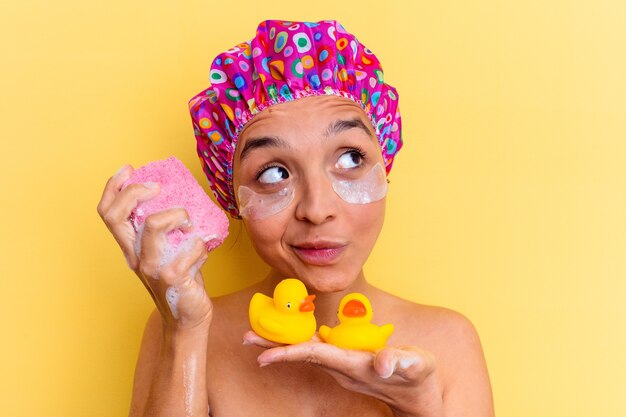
{"x":355,"y":330}
{"x":287,"y":317}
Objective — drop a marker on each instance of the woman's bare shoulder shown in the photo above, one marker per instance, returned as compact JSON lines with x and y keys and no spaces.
{"x":439,"y":329}
{"x":453,"y":340}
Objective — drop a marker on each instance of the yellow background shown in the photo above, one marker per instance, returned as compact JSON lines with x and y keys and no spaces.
{"x":508,"y":202}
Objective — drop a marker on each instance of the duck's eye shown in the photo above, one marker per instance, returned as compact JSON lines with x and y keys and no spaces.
{"x":350,"y":159}
{"x":273,"y":175}
{"x":288,"y":305}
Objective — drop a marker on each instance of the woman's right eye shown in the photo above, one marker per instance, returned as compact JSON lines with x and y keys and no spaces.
{"x":273,"y":175}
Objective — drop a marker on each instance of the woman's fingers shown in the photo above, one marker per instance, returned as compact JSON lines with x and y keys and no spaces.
{"x":126,"y":200}
{"x":251,"y":338}
{"x":116,"y":204}
{"x":346,"y":362}
{"x":153,"y":239}
{"x":188,"y":263}
{"x":112,"y":188}
{"x":410,"y":363}
{"x":118,"y":212}
{"x":115,"y":207}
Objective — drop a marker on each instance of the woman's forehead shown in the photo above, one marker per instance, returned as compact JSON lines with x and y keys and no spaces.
{"x":311,"y":114}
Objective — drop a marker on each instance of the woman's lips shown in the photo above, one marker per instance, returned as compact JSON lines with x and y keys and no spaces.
{"x":319,"y":254}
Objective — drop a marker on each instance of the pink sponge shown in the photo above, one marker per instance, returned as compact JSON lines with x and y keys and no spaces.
{"x":178,"y":188}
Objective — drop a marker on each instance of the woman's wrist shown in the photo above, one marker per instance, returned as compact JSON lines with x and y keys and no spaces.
{"x":185,"y":339}
{"x":179,"y":382}
{"x":181,"y":329}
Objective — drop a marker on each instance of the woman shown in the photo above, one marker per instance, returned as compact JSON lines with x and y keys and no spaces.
{"x":296,"y":135}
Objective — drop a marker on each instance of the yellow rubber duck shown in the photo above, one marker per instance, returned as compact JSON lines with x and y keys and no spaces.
{"x":286,"y":318}
{"x":354,"y":330}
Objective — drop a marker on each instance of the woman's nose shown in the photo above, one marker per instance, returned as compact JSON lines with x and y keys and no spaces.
{"x":317,"y":202}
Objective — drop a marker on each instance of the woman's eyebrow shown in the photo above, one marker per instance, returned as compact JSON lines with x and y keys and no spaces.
{"x":339,"y":126}
{"x":262,"y":142}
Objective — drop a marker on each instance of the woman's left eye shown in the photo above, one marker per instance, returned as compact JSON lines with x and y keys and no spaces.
{"x":273,"y":175}
{"x":351,"y":159}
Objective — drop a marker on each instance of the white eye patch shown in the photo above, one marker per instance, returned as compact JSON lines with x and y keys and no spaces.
{"x":256,"y":206}
{"x":367,"y":189}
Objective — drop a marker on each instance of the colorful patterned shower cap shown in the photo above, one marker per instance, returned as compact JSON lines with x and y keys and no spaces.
{"x":286,"y":61}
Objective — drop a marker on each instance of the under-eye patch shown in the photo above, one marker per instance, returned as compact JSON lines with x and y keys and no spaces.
{"x":256,"y":206}
{"x":367,"y":189}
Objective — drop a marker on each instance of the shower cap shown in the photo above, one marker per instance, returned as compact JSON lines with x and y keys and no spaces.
{"x":286,"y":61}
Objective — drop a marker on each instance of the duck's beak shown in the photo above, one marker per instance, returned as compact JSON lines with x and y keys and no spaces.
{"x":307,"y":304}
{"x":354,"y":308}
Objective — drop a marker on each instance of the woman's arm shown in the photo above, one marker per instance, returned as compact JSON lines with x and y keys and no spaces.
{"x":170,"y":375}
{"x":171,"y":372}
{"x":467,"y":380}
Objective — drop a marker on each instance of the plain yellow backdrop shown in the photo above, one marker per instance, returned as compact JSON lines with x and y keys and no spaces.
{"x":507,"y":203}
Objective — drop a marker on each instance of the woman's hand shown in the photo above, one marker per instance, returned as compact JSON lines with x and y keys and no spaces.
{"x":402,"y":377}
{"x":175,"y":285}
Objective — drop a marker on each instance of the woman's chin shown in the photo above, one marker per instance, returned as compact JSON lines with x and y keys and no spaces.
{"x":322,"y":279}
{"x":327,"y":282}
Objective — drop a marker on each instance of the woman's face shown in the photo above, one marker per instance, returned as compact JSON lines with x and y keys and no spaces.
{"x":306,"y":145}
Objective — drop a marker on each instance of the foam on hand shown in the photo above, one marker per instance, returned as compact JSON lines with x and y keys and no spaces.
{"x":178,"y":188}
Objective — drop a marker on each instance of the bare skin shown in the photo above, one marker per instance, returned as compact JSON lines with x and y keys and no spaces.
{"x":433,"y":365}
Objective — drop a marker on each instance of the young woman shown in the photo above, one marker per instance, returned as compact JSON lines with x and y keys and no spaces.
{"x":296,"y":135}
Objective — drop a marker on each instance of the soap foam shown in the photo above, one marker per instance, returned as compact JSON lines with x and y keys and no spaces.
{"x":406,"y":362}
{"x":172,"y":295}
{"x":169,"y":251}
